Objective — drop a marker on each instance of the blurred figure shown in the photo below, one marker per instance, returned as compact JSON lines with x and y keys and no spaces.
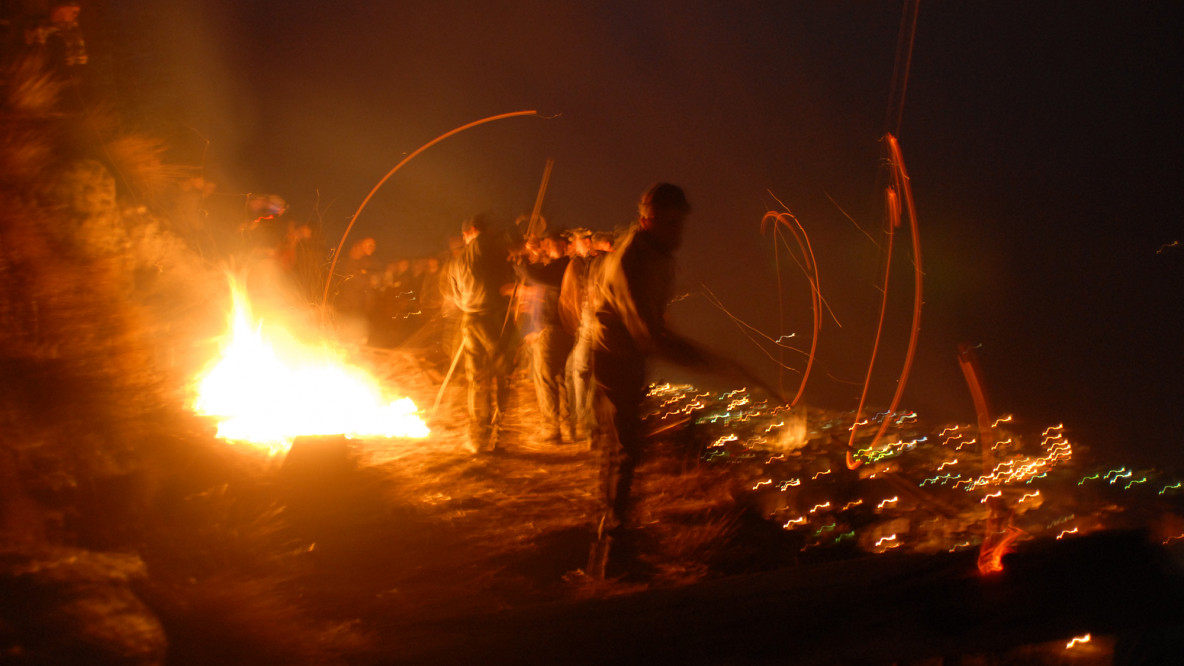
{"x":396,"y":311}
{"x":358,"y":289}
{"x":431,"y":298}
{"x":523,"y":300}
{"x":575,"y":313}
{"x":60,"y":35}
{"x":475,"y":281}
{"x":262,"y":233}
{"x":630,"y":327}
{"x":300,"y":258}
{"x":552,"y":343}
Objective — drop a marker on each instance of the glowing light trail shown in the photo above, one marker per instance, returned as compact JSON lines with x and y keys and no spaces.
{"x":337,"y":253}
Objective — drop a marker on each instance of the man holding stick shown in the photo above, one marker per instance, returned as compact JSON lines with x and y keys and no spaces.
{"x":630,"y":327}
{"x":475,"y":283}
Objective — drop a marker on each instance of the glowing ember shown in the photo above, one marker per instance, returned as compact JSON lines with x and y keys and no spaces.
{"x":990,"y":555}
{"x":268,"y":388}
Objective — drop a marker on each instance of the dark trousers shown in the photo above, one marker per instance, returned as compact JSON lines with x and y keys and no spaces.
{"x":620,"y":389}
{"x":485,"y":346}
{"x":551,"y":348}
{"x":583,"y":385}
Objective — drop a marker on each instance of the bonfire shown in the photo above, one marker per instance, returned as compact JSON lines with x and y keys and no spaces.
{"x":267,"y":388}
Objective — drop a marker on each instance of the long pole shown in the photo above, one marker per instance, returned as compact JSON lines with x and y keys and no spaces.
{"x":451,"y":369}
{"x":535,"y":216}
{"x":538,"y":200}
{"x":337,"y":253}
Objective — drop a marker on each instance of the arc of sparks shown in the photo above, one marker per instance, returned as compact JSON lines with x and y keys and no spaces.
{"x":810,"y":269}
{"x":900,"y":189}
{"x":405,"y":160}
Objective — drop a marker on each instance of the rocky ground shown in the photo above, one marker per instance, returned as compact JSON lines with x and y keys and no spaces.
{"x":418,"y":551}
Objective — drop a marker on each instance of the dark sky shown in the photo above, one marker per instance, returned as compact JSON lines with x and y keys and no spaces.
{"x":1043,"y":141}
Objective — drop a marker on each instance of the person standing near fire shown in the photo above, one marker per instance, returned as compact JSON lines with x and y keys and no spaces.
{"x":475,"y":283}
{"x":630,"y":327}
{"x":551,"y":342}
{"x":357,"y":291}
{"x":575,"y":312}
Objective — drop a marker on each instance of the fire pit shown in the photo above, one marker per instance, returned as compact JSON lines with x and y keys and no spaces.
{"x":268,"y":388}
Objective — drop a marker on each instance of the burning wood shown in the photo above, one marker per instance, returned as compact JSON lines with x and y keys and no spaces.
{"x":267,"y":388}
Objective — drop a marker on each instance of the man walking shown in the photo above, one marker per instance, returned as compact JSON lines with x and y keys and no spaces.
{"x":630,"y":314}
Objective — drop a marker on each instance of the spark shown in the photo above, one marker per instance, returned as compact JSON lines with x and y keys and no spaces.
{"x":1001,"y":419}
{"x":860,"y":424}
{"x":1128,"y":474}
{"x":892,"y":500}
{"x":1128,"y":486}
{"x":883,"y":539}
{"x":997,"y":493}
{"x":1173,"y":538}
{"x":1077,"y":640}
{"x":1029,"y":495}
{"x":762,"y":483}
{"x":943,"y":478}
{"x":1083,"y":480}
{"x":850,"y":504}
{"x":348,"y":227}
{"x":1047,"y":431}
{"x":724,"y":440}
{"x":739,"y":402}
{"x":947,"y":464}
{"x":1066,"y":532}
{"x":907,"y":416}
{"x":1171,"y":487}
{"x":790,"y":483}
{"x":999,"y":444}
{"x":794,"y":521}
{"x":824,"y":505}
{"x":815,"y":477}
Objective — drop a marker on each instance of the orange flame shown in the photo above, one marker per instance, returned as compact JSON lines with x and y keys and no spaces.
{"x":267,"y":388}
{"x":990,"y":556}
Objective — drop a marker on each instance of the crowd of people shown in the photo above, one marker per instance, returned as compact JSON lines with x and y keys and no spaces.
{"x":527,"y":303}
{"x":385,"y":304}
{"x":581,"y":310}
{"x":593,"y":310}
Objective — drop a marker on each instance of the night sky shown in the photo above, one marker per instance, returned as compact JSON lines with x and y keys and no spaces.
{"x":1043,"y":141}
